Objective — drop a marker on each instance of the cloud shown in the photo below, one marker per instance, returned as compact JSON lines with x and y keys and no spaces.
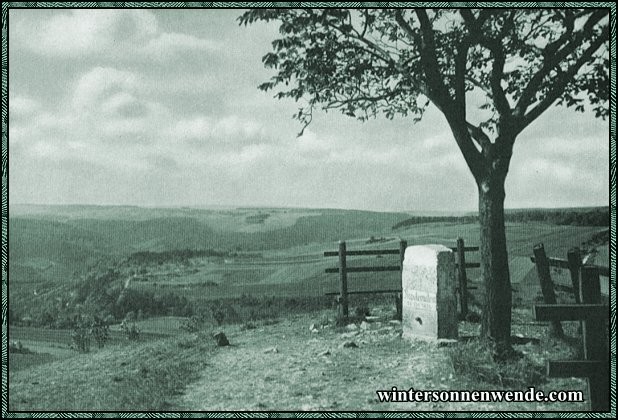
{"x":228,"y":129}
{"x":113,"y":106}
{"x":71,"y":34}
{"x":167,"y":44}
{"x":99,"y":82}
{"x":22,"y":106}
{"x":111,"y":34}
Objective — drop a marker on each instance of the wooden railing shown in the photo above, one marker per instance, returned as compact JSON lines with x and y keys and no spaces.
{"x":343,"y":271}
{"x":573,"y":263}
{"x":595,"y":333}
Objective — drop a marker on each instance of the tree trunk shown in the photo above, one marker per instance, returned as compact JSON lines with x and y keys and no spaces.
{"x":496,"y":320}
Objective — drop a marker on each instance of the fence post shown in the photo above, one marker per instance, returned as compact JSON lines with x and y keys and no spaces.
{"x":590,"y":292}
{"x":593,"y":333}
{"x":547,"y":286}
{"x":398,"y":298}
{"x":462,"y":277}
{"x":343,"y":278}
{"x":575,"y":262}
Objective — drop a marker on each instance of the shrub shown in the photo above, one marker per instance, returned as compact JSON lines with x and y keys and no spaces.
{"x":130,"y":330}
{"x":100,"y":331}
{"x":192,"y":324}
{"x":81,"y":339}
{"x":18,"y":347}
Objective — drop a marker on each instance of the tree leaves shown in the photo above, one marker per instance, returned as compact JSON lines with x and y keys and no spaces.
{"x":368,"y":62}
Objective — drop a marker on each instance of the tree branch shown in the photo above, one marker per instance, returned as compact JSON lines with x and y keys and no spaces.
{"x":480,"y":137}
{"x":497,"y":72}
{"x":468,"y":17}
{"x":460,"y":75}
{"x":342,"y":102}
{"x":497,"y":50}
{"x":559,"y":86}
{"x":437,"y":91}
{"x":379,"y":53}
{"x":551,"y":62}
{"x":569,"y":22}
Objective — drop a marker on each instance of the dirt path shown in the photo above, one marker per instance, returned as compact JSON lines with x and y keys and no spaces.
{"x":286,"y":367}
{"x":283,"y":368}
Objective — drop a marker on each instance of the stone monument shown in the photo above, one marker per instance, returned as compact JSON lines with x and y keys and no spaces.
{"x":429,"y":300}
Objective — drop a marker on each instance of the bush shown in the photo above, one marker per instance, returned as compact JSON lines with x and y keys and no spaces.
{"x":18,"y":347}
{"x":81,"y":339}
{"x":192,"y":324}
{"x":130,"y":330}
{"x":86,"y":329}
{"x":100,"y":332}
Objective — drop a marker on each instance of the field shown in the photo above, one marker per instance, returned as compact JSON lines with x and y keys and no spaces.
{"x":257,"y":268}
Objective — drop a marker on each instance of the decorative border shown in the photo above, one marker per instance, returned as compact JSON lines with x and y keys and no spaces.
{"x":358,"y":414}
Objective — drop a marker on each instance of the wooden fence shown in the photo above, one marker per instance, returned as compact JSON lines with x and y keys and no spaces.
{"x":343,"y":271}
{"x":594,"y":317}
{"x":573,"y":263}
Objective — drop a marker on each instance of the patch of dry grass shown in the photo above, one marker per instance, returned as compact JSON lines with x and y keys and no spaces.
{"x":143,"y":377}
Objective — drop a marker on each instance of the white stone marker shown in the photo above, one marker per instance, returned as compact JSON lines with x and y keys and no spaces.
{"x":429,"y":300}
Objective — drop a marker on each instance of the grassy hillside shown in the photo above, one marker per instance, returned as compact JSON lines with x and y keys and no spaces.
{"x":143,"y":377}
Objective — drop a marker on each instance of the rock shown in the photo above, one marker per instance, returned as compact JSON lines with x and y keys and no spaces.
{"x":221,"y":339}
{"x":351,"y":327}
{"x":350,"y":334}
{"x":271,"y":350}
{"x":365,"y":326}
{"x":348,"y":345}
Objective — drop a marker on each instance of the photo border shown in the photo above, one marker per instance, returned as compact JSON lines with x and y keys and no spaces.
{"x":302,"y":414}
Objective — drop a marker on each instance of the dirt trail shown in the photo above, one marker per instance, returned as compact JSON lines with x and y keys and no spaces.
{"x":282,"y":367}
{"x":286,"y":367}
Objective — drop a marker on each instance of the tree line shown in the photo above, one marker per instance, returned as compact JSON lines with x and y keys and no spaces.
{"x":594,"y":217}
{"x":100,"y":295}
{"x":173,"y":256}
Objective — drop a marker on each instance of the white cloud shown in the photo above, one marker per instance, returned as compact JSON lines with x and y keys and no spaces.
{"x":118,"y":102}
{"x":167,"y":44}
{"x":99,"y":82}
{"x":22,"y":106}
{"x":204,"y":123}
{"x":70,"y":34}
{"x":110,"y":34}
{"x":230,"y":129}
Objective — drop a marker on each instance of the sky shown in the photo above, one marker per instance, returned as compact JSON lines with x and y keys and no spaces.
{"x":161,"y":108}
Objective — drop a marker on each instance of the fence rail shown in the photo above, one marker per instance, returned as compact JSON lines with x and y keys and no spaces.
{"x":562,"y":263}
{"x":343,"y":270}
{"x":364,"y":252}
{"x":595,"y":332}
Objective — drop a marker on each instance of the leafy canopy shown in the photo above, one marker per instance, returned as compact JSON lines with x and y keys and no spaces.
{"x":396,"y":61}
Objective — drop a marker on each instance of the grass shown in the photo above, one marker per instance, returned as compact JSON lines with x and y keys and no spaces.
{"x":21,"y":361}
{"x":143,"y":377}
{"x":473,"y":360}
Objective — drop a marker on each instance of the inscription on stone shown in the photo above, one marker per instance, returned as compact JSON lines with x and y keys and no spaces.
{"x":429,"y":305}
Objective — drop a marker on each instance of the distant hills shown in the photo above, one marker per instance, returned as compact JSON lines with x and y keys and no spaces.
{"x":76,"y":236}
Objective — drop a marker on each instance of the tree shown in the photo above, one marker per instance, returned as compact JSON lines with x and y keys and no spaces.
{"x":397,"y":61}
